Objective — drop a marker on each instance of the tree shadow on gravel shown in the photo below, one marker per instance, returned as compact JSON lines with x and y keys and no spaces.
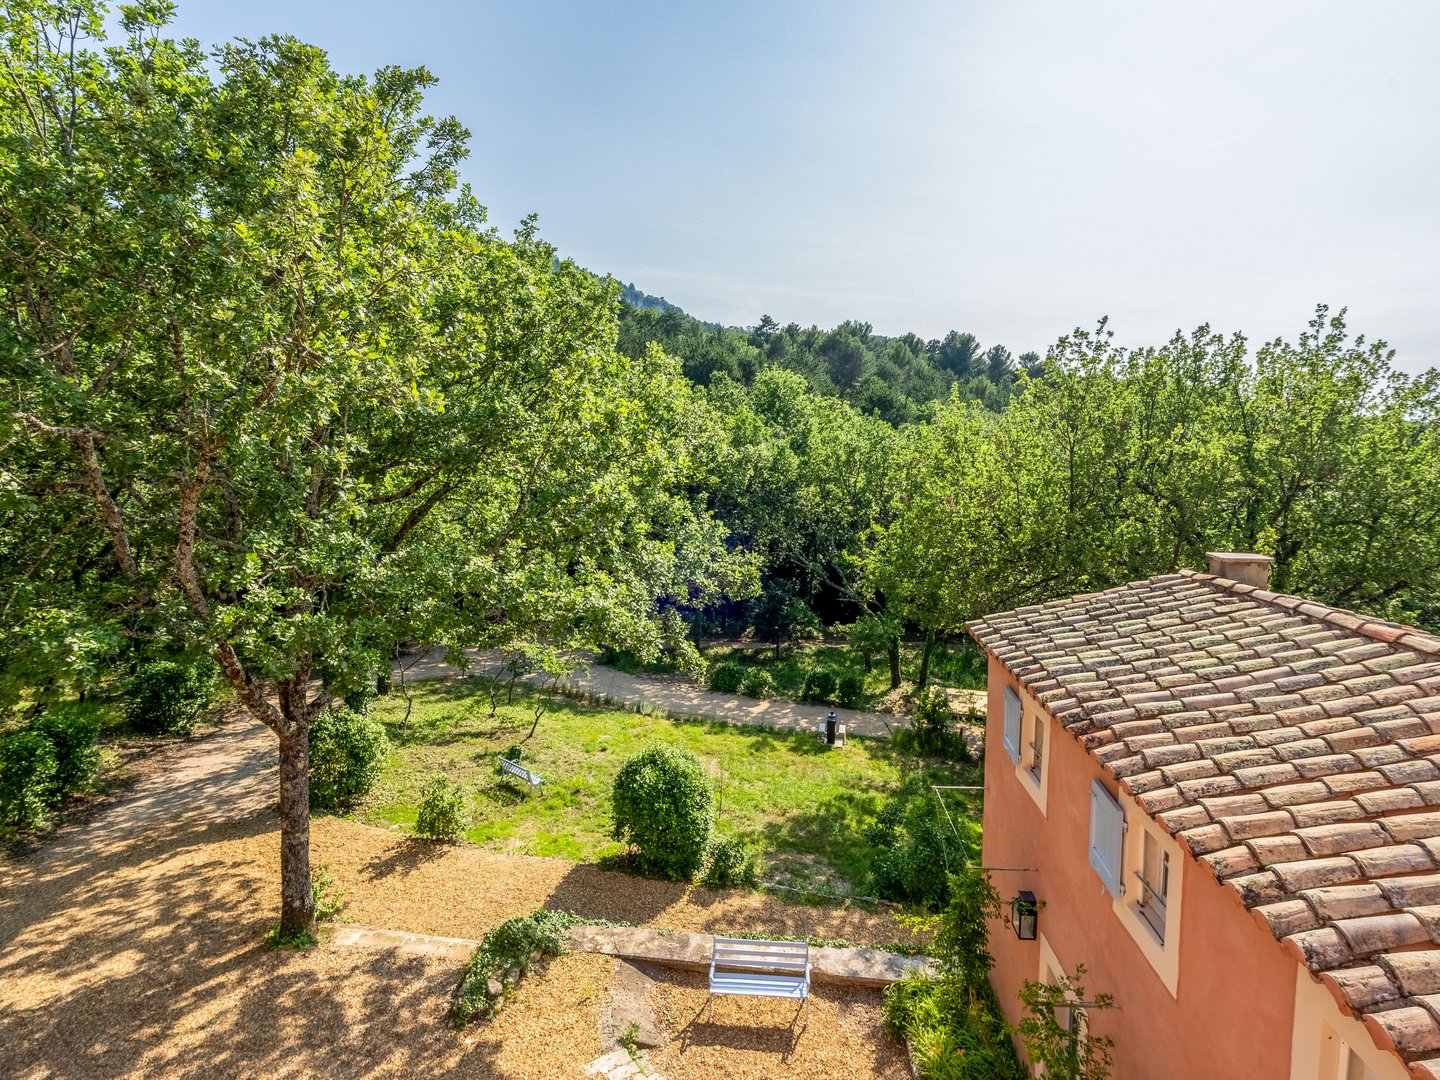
{"x":405,"y":856}
{"x":148,"y":959}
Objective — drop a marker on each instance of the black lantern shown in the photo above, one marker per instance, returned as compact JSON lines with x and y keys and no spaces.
{"x":1024,"y":912}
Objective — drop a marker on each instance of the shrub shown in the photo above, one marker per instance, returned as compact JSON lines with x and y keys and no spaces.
{"x":729,"y":864}
{"x":664,"y":805}
{"x":27,"y":778}
{"x":166,"y":698}
{"x":819,"y":685}
{"x":757,"y":683}
{"x":726,"y":678}
{"x":513,"y":753}
{"x":851,"y":691}
{"x":919,"y":845}
{"x":931,"y":728}
{"x":73,"y":732}
{"x":442,"y":814}
{"x":513,"y":946}
{"x":347,"y":752}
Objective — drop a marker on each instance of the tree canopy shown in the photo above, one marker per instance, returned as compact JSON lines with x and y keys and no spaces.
{"x":277,"y":393}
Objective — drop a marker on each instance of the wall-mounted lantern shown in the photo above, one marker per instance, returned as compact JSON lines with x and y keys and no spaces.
{"x":1025,"y":915}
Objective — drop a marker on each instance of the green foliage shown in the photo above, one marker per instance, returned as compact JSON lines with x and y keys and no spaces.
{"x":1061,"y":1043}
{"x":757,"y":683}
{"x":27,"y":778}
{"x":819,"y":686}
{"x":850,"y":691}
{"x":932,"y":724}
{"x":664,"y":806}
{"x":329,"y":903}
{"x":166,"y":697}
{"x":726,"y":678}
{"x":873,"y":634}
{"x":514,"y":945}
{"x":728,"y":863}
{"x":347,"y":752}
{"x":957,"y":1032}
{"x":953,"y":1022}
{"x":922,"y":844}
{"x":514,"y":752}
{"x":73,"y":730}
{"x":441,"y":814}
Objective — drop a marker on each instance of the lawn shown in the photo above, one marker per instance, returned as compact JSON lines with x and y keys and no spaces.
{"x":803,"y":808}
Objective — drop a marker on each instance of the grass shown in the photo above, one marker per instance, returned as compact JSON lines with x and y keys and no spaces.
{"x":803,"y":809}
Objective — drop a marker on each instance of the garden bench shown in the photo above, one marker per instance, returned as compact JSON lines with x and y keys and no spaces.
{"x":759,"y":969}
{"x":519,"y":772}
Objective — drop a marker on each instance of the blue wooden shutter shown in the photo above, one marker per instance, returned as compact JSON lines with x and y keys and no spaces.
{"x":1012,"y":724}
{"x":1107,"y":837}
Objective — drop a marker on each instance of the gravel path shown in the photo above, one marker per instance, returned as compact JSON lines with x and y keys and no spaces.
{"x":666,"y":695}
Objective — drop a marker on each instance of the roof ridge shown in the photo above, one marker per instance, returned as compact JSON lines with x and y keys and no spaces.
{"x":1382,"y":630}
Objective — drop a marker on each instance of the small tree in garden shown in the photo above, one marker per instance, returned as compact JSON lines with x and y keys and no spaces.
{"x":1056,"y":1032}
{"x":875,"y":635}
{"x":664,"y":805}
{"x":442,"y":814}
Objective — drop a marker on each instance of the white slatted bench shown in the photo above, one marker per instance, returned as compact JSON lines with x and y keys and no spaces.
{"x":759,"y":969}
{"x":519,"y":772}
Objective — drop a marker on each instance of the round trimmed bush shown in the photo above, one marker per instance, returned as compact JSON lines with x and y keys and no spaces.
{"x":166,"y":698}
{"x":726,"y":678}
{"x":73,"y":732}
{"x":728,"y":864}
{"x":347,"y":752}
{"x":27,"y":778}
{"x":757,"y":683}
{"x":819,"y":685}
{"x":851,"y":691}
{"x":664,"y":805}
{"x":442,"y":814}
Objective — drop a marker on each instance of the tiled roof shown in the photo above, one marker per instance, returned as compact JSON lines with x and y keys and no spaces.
{"x":1293,"y":748}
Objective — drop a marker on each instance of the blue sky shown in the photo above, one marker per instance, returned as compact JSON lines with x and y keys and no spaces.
{"x":1009,"y":168}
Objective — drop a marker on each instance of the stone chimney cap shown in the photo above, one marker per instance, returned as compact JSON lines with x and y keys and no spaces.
{"x":1242,"y":566}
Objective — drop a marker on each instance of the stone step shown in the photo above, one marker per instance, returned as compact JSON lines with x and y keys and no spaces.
{"x":688,"y":951}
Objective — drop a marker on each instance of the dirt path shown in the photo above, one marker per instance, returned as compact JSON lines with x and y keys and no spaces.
{"x":668,"y":695}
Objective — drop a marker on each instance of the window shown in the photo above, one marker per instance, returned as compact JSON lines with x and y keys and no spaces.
{"x":1353,"y":1068}
{"x":1107,"y":837}
{"x":1037,"y":747}
{"x":1013,"y":713}
{"x":1154,"y":878}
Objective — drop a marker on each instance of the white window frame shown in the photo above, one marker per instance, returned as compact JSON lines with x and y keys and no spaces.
{"x":1153,"y":879}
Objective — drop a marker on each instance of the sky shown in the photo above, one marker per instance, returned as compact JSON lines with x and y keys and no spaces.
{"x":1013,"y":169}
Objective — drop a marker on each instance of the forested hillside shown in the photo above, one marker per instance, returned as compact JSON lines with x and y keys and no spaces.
{"x":932,"y":482}
{"x":896,"y":379}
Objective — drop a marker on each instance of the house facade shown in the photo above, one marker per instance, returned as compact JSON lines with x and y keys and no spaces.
{"x":1227,"y":804}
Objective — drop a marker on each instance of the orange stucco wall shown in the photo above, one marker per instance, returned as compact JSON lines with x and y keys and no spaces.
{"x":1235,"y":997}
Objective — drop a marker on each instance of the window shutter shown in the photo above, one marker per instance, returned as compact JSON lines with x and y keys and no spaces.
{"x":1107,"y":837}
{"x":1012,"y":724}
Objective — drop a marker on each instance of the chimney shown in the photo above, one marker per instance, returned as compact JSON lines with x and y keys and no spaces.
{"x":1242,"y":567}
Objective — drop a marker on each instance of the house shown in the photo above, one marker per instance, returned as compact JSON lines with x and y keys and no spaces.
{"x":1227,"y":804}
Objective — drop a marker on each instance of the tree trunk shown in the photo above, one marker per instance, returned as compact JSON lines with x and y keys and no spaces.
{"x":925,"y":661}
{"x":297,"y":900}
{"x":895,"y":663}
{"x":869,"y":663}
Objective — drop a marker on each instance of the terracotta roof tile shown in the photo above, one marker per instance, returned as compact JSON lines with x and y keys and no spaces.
{"x":1293,"y":748}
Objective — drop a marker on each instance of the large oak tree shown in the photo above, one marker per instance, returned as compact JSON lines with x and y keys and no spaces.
{"x":273,"y":386}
